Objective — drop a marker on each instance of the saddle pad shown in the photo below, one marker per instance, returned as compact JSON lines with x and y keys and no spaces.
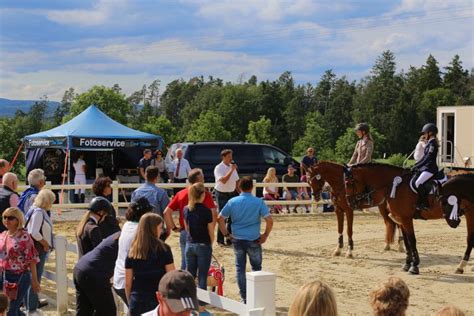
{"x":432,"y":185}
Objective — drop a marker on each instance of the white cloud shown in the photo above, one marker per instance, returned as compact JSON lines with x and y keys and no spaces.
{"x":412,"y":30}
{"x":428,"y":5}
{"x":101,"y":13}
{"x":130,"y":65}
{"x":244,"y":12}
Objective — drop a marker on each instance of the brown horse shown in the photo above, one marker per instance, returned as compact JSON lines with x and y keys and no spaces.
{"x":457,"y":198}
{"x":375,"y":182}
{"x":333,"y":173}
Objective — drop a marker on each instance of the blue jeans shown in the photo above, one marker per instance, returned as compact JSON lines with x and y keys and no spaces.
{"x":23,"y":286}
{"x":141,"y":302}
{"x":198,"y":261}
{"x":242,"y":248}
{"x":31,"y":300}
{"x":183,"y":235}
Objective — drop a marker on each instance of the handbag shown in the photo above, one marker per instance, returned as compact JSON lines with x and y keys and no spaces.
{"x":10,"y":289}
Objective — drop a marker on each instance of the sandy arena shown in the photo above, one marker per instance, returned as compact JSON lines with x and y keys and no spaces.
{"x":299,"y":250}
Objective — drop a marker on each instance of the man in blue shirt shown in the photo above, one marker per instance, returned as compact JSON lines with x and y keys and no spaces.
{"x":157,"y":197}
{"x":246,"y":212}
{"x":308,"y":161}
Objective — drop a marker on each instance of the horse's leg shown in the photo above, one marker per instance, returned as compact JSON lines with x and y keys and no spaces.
{"x":401,"y":241}
{"x":389,"y":226}
{"x":410,"y":232}
{"x":408,"y":259}
{"x":340,"y":230}
{"x":350,"y":222}
{"x":470,"y":243}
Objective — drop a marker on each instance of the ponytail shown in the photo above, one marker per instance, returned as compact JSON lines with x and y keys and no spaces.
{"x":194,"y":194}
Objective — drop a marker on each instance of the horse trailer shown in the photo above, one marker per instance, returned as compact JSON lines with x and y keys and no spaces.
{"x":456,"y":133}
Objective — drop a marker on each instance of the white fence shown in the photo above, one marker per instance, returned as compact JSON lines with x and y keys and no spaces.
{"x":260,"y":287}
{"x":117,"y":190}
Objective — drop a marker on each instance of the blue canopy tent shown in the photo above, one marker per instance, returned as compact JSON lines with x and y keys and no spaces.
{"x":90,"y":131}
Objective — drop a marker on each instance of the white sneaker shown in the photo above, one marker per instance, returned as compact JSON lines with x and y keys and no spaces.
{"x":35,"y":313}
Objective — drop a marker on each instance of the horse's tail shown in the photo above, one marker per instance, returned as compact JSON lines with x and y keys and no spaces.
{"x":390,"y":225}
{"x":390,"y":232}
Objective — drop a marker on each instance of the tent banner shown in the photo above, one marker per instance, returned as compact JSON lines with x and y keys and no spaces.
{"x":90,"y":142}
{"x":50,"y":142}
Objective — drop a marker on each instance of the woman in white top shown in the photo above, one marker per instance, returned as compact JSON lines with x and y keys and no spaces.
{"x":134,"y":212}
{"x":40,"y":227}
{"x":271,"y":192}
{"x":420,"y":148}
{"x":80,"y":169}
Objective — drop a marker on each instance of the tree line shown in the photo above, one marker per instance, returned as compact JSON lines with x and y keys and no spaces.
{"x":291,"y":116}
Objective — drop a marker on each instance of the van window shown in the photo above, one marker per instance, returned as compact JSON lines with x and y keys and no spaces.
{"x":273,"y":156}
{"x":247,"y":154}
{"x":205,"y":155}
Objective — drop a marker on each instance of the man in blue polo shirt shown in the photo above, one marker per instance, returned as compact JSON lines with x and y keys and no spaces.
{"x":246,"y":212}
{"x":157,"y":197}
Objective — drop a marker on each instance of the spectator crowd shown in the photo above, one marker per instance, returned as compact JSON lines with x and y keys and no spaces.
{"x":134,"y":255}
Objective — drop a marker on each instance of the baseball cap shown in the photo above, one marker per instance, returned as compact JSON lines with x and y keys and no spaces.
{"x":179,"y":290}
{"x":291,"y":167}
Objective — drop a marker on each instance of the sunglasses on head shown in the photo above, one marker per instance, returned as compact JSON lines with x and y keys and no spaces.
{"x":9,"y":218}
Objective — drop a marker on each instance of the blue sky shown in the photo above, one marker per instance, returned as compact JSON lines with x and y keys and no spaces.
{"x":48,"y":46}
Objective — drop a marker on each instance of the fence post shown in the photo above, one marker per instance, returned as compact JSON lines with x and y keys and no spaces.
{"x":261,"y":291}
{"x":60,"y":244}
{"x":115,"y":195}
{"x":47,"y":185}
{"x":254,"y":190}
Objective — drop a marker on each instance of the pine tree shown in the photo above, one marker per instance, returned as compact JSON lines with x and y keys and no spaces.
{"x":456,"y":79}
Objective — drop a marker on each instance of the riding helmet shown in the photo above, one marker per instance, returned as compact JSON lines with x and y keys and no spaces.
{"x":99,"y":203}
{"x":363,"y":127}
{"x":430,"y":127}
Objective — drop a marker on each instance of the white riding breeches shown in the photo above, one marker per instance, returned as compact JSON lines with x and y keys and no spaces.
{"x":424,"y":176}
{"x":80,"y":179}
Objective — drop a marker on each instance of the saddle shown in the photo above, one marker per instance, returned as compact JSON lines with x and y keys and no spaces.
{"x":432,"y":184}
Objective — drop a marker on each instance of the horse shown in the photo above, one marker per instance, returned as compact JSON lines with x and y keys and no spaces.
{"x":457,"y":198}
{"x":376,"y":182}
{"x":333,"y":173}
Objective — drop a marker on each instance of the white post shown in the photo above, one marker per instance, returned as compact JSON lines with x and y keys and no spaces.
{"x":254,"y":190}
{"x":60,"y":244}
{"x":261,"y":292}
{"x":115,"y":195}
{"x":47,"y":185}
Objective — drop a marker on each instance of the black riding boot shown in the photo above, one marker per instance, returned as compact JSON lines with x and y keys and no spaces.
{"x":75,"y":198}
{"x":83,"y":197}
{"x":422,"y":203}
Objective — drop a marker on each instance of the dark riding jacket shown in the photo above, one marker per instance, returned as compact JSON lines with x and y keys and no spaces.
{"x":428,"y":162}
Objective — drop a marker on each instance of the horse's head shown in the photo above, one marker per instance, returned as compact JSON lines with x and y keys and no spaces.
{"x":315,"y":180}
{"x":450,"y":204}
{"x":355,"y":189}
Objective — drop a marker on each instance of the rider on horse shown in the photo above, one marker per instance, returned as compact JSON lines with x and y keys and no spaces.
{"x":427,"y":166}
{"x":364,"y":147}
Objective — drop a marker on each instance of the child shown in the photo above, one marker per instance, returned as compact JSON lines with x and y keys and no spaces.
{"x":3,"y":304}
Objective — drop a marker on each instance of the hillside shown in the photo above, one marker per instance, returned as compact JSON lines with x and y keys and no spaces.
{"x":9,"y":107}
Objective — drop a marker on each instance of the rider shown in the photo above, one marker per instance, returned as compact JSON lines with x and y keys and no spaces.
{"x":427,"y":166}
{"x":365,"y":145}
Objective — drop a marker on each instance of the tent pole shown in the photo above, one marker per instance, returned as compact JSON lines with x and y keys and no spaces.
{"x":68,"y":176}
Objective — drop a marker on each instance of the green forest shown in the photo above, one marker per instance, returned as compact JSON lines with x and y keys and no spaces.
{"x":396,"y":103}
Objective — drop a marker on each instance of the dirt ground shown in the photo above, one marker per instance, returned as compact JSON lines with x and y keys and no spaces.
{"x":300,"y":247}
